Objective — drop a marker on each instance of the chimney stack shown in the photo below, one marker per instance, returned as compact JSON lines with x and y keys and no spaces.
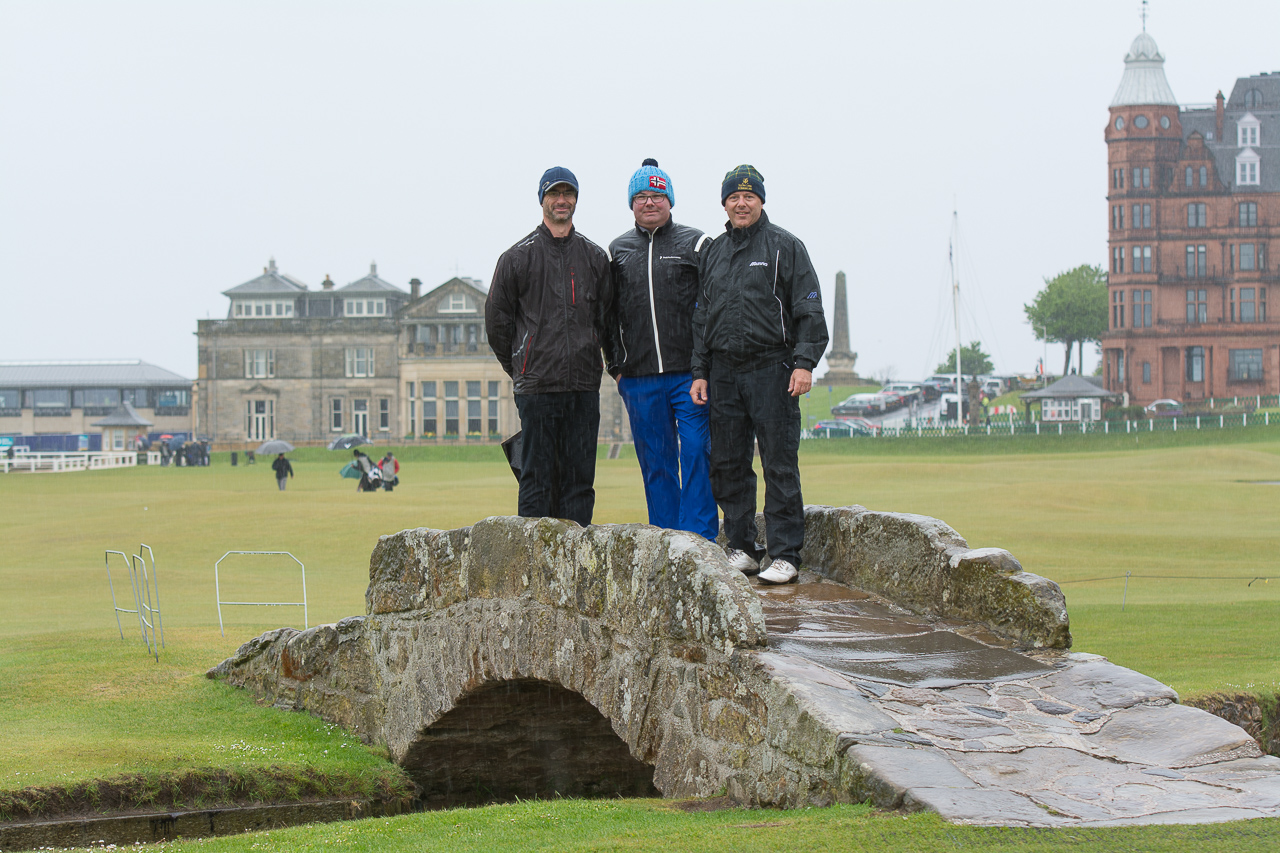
{"x":415,"y":289}
{"x":327,"y":284}
{"x":1221,"y":101}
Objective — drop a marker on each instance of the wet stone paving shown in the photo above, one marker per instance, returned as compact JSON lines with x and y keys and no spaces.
{"x":947,"y":717}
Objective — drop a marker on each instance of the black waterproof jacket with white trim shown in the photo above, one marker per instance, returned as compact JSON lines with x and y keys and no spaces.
{"x":655,"y":287}
{"x":759,"y":301}
{"x":545,"y":314}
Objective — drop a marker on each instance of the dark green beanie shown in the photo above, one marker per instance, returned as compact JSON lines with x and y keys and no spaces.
{"x":742,"y":179}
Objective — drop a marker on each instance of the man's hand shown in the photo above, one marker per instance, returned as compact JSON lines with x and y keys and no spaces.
{"x":698,"y":392}
{"x":801,"y":382}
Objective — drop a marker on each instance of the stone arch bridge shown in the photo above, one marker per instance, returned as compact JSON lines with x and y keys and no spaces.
{"x":525,"y":657}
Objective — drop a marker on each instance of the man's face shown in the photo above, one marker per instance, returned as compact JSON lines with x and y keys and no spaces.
{"x":743,"y":209}
{"x":652,"y":209}
{"x":558,"y":203}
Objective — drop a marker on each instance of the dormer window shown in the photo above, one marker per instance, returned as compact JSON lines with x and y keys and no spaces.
{"x":1247,"y":168}
{"x":365,"y":308}
{"x":261,"y":308}
{"x":1252,"y":98}
{"x":1248,"y":130}
{"x":457,"y":303}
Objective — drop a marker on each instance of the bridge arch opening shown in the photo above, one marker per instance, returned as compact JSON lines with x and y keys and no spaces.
{"x":523,"y":739}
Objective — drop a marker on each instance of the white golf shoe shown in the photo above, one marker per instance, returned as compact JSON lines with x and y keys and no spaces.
{"x":742,"y":561}
{"x":779,"y":571}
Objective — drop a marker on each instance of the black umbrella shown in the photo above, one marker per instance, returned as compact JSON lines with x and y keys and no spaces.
{"x":512,"y":447}
{"x":347,"y":442}
{"x":274,"y":446}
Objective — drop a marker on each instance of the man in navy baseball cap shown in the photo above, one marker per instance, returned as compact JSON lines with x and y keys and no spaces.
{"x":556,"y":175}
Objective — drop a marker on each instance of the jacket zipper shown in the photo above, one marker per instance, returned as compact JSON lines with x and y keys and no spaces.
{"x":653,"y":308}
{"x":782,"y":319}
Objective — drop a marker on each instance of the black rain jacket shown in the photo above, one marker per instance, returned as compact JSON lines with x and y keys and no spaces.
{"x":759,"y":301}
{"x":655,"y":287}
{"x":545,"y":314}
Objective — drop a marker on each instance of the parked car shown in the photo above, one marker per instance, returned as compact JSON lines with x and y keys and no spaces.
{"x":935,"y":388}
{"x":859,"y":404}
{"x":907,"y":390}
{"x":1164,"y":409}
{"x":841,"y":429}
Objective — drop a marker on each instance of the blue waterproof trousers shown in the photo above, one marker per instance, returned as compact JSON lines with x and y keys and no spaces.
{"x":672,"y":439}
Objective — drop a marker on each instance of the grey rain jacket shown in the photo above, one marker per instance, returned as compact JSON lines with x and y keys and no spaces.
{"x":545,"y":314}
{"x":655,"y":287}
{"x":759,"y":301}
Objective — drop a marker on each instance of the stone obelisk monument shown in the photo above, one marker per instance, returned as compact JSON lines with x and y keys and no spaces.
{"x":840,"y":359}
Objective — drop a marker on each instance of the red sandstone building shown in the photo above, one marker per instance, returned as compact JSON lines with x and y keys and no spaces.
{"x":1194,"y":216}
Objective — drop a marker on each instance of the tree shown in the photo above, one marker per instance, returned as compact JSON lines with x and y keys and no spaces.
{"x":973,"y":361}
{"x":1070,"y":310}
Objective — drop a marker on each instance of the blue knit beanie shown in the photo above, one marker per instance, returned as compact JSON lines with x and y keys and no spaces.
{"x":649,"y":178}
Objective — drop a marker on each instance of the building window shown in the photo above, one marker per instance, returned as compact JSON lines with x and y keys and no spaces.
{"x":1142,"y":216}
{"x":1120,"y":367}
{"x":384,"y":414}
{"x":475,"y":422}
{"x":1197,"y":261}
{"x":1197,"y":306}
{"x":98,"y":398}
{"x":429,"y":409}
{"x":1247,"y":167}
{"x":1117,"y":259}
{"x":1141,"y":309}
{"x":175,"y":399}
{"x":1249,"y":214}
{"x":335,"y":414}
{"x":10,"y":399}
{"x":424,"y":334}
{"x":1142,"y":177}
{"x":1253,"y":305}
{"x":1146,"y":216}
{"x":261,"y":308}
{"x":1146,"y":259}
{"x":451,"y":409}
{"x":260,"y":419}
{"x":457,"y":303}
{"x":1245,"y":365}
{"x":1189,"y":172}
{"x":359,"y":361}
{"x":365,"y":307}
{"x":1117,"y":309}
{"x":360,"y":417}
{"x":1247,"y":256}
{"x":1195,"y":364}
{"x":1117,"y":217}
{"x":1117,"y":179}
{"x":259,"y":363}
{"x":1252,"y":98}
{"x":1197,"y":216}
{"x":1247,"y":131}
{"x":1146,"y":372}
{"x":1204,"y":176}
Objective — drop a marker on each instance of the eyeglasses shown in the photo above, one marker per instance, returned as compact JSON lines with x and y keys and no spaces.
{"x":642,"y":199}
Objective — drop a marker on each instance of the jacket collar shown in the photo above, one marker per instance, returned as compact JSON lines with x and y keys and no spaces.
{"x":661,"y":229}
{"x":559,"y":241}
{"x":740,"y":234}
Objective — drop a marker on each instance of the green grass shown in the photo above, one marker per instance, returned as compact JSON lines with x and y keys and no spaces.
{"x":1184,"y":513}
{"x":570,"y":825}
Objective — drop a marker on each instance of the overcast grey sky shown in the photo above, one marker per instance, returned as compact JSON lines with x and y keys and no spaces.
{"x":155,"y":154}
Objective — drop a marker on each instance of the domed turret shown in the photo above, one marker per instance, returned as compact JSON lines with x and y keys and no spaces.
{"x":1143,"y":81}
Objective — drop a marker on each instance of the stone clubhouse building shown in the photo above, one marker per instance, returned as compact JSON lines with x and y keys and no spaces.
{"x":307,"y":365}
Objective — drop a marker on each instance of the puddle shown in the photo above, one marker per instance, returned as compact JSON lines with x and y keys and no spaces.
{"x":848,"y":631}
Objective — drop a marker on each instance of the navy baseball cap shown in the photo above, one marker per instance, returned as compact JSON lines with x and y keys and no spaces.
{"x":555,"y":175}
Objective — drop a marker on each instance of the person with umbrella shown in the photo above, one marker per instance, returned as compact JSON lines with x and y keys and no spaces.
{"x":284,"y":470}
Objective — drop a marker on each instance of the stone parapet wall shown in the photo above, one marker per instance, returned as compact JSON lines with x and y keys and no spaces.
{"x":924,"y":565}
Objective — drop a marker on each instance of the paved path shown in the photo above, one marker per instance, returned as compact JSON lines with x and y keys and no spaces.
{"x":943,"y":717}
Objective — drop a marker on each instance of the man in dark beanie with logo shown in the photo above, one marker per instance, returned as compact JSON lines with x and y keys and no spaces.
{"x":545,"y":317}
{"x":655,"y":287}
{"x":758,"y":333}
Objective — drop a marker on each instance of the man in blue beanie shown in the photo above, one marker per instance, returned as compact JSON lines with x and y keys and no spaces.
{"x":545,"y":317}
{"x":655,"y":285}
{"x":759,"y":332}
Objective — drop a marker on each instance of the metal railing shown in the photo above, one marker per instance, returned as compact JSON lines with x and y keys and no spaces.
{"x":217,"y":588}
{"x":145,"y":584}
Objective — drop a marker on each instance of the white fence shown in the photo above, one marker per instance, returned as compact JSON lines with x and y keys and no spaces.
{"x":46,"y":463}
